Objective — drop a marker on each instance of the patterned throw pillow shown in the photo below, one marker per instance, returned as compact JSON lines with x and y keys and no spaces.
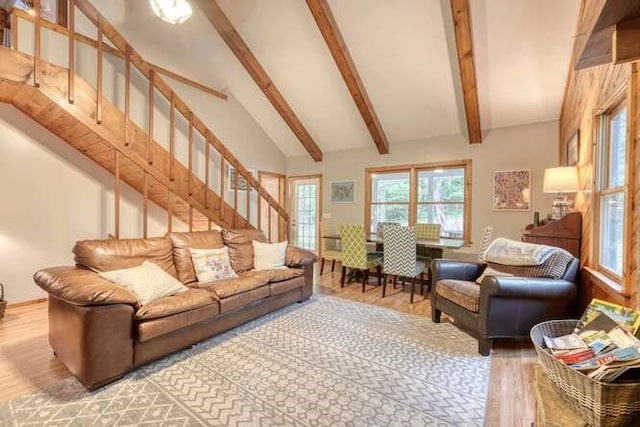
{"x":148,"y":282}
{"x":212,"y":264}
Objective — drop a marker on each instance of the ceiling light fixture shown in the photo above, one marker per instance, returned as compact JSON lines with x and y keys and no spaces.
{"x":171,"y":11}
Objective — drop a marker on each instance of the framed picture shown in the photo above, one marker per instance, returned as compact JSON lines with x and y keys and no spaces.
{"x":343,"y":191}
{"x":235,"y":180}
{"x":512,"y":190}
{"x":573,"y":149}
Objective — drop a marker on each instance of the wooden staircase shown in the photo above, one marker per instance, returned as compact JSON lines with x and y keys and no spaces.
{"x":73,"y":110}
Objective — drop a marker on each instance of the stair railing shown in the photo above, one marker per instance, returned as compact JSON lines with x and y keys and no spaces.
{"x":177,"y":106}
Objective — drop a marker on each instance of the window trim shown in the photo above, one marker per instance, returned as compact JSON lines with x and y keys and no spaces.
{"x":413,"y":170}
{"x":601,"y":163}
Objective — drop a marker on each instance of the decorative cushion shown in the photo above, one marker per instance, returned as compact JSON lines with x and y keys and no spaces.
{"x":240,"y":247}
{"x":267,"y":256}
{"x":462,"y":292}
{"x":492,"y":272}
{"x":212,"y":264}
{"x":147,"y":282}
{"x":183,"y":241}
{"x":554,"y":266}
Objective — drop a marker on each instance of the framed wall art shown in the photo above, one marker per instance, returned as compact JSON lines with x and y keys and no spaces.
{"x":343,"y":191}
{"x":235,"y":180}
{"x":512,"y":190}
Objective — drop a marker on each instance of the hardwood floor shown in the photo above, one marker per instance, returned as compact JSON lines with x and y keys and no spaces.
{"x":27,"y":363}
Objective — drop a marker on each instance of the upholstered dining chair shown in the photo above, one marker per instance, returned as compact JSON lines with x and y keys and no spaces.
{"x":427,"y":231}
{"x":485,"y":241}
{"x":355,"y":256}
{"x":380,"y":228}
{"x":425,"y":254}
{"x":330,"y":247}
{"x":399,"y":258}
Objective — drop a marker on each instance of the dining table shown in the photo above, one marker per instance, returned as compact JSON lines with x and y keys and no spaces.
{"x":428,"y":243}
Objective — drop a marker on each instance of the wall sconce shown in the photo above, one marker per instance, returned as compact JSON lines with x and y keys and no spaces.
{"x":560,"y":180}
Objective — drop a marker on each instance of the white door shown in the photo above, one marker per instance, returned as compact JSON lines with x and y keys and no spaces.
{"x":305,"y":212}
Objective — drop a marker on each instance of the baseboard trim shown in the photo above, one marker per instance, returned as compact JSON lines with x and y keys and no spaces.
{"x":24,"y":303}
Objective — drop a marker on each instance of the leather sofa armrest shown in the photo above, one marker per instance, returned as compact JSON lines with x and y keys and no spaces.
{"x":527,"y":288}
{"x":81,"y":287}
{"x":442,"y":269}
{"x":297,"y":256}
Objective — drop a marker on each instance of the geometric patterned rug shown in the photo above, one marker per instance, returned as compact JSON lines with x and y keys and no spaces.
{"x":322,"y":363}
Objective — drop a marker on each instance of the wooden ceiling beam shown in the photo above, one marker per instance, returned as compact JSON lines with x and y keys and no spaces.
{"x":332,"y":36}
{"x":232,"y":38}
{"x":464,"y":47}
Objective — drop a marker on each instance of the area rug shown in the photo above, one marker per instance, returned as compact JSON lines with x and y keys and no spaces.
{"x":328,"y":362}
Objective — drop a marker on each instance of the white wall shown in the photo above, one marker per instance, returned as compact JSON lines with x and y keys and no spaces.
{"x":522,"y":147}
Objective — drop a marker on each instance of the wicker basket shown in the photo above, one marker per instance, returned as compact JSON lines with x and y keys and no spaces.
{"x":3,"y":303}
{"x":597,"y":403}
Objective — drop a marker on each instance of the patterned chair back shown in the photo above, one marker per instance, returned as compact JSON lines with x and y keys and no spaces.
{"x":399,"y":249}
{"x":485,"y":241}
{"x":354,"y":246}
{"x":428,"y":231}
{"x":328,"y":228}
{"x":380,"y":228}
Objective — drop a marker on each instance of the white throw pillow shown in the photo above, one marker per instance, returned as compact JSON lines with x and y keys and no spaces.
{"x":268,"y":256}
{"x":491,"y":272}
{"x":148,"y":282}
{"x":212,"y":264}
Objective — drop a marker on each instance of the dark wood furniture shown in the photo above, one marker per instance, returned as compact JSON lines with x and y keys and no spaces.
{"x":564,"y":233}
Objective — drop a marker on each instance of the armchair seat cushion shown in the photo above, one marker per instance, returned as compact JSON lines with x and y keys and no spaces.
{"x":464,"y":293}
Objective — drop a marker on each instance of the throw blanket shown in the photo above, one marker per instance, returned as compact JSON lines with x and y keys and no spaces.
{"x":511,"y":252}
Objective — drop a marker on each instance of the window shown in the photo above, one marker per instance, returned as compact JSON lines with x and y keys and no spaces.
{"x":611,"y":197}
{"x":428,"y":193}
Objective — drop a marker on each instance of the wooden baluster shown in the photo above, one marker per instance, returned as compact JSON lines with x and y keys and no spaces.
{"x":169,"y":212}
{"x":222,"y":177}
{"x":248,"y":205}
{"x":190,"y":183}
{"x":116,"y":197}
{"x":37,"y":41}
{"x":172,"y":131}
{"x":151,"y":107}
{"x":14,"y":32}
{"x":145,"y":204}
{"x":72,"y":50}
{"x":99,"y":78}
{"x":190,"y":218}
{"x":207,"y":152}
{"x":269,"y":222}
{"x":127,"y":95}
{"x":235,"y":198}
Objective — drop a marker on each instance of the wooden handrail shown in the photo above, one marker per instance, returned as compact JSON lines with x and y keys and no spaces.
{"x":18,"y":13}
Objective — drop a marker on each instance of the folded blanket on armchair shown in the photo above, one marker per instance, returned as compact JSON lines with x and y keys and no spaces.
{"x":512,"y":252}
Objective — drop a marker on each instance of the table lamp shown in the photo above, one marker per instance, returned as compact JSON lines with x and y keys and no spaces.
{"x":560,"y":180}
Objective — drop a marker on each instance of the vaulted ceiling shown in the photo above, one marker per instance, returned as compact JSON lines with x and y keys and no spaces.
{"x":404,"y":52}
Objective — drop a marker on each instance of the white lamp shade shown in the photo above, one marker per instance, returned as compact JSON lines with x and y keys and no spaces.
{"x":562,"y":179}
{"x":172,"y":11}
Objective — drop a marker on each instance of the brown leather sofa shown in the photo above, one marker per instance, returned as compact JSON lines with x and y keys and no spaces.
{"x":100,"y":332}
{"x":499,"y":307}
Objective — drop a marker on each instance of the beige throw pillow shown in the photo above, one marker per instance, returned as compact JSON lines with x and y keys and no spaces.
{"x":267,"y":256}
{"x":212,"y":264}
{"x":148,"y":282}
{"x":491,"y":272}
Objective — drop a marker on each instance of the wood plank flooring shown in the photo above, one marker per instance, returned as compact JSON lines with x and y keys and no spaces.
{"x":27,"y":362}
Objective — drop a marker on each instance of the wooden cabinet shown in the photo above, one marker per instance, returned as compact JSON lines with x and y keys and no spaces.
{"x":563,"y":233}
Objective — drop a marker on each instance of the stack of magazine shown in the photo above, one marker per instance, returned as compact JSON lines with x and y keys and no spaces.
{"x":603,"y":344}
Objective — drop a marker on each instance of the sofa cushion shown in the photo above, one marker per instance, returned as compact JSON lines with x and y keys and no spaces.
{"x":240,"y":247}
{"x":212,"y":264}
{"x":183,"y":241}
{"x":268,"y":255}
{"x":167,"y":306}
{"x":148,"y":282}
{"x":280,"y":287}
{"x":115,"y":254}
{"x":242,"y":299}
{"x":152,"y":328}
{"x":247,"y":281}
{"x":282,"y":274}
{"x":462,"y":292}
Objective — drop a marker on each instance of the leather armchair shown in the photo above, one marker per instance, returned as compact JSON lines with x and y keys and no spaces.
{"x":500,"y":307}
